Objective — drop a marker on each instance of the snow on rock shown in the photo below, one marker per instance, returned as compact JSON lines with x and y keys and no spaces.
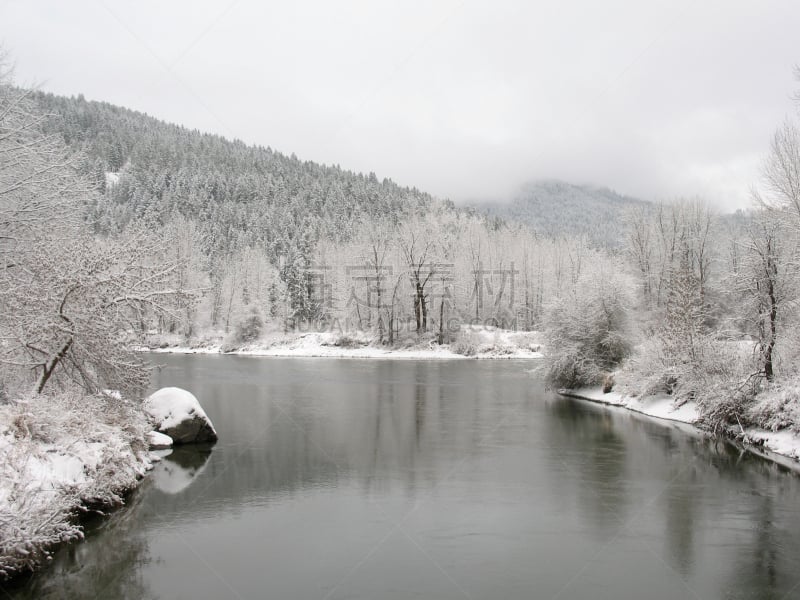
{"x":178,"y":414}
{"x":158,"y":441}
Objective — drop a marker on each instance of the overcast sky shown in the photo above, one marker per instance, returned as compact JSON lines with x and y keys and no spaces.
{"x":465,"y":99}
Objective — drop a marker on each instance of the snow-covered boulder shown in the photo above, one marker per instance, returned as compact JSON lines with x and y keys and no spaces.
{"x":158,"y":441}
{"x":178,"y":414}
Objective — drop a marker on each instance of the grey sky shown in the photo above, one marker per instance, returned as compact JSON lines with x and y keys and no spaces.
{"x":465,"y":99}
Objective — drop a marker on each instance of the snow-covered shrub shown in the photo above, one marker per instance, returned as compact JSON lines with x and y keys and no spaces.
{"x":720,"y":376}
{"x":588,"y":332}
{"x":472,"y":340}
{"x":249,"y":328}
{"x":347,"y":341}
{"x":777,"y":406}
{"x":683,"y":357}
{"x":658,"y":368}
{"x":464,"y":344}
{"x":163,"y":340}
{"x":352,"y":339}
{"x":58,"y":456}
{"x":723,"y":383}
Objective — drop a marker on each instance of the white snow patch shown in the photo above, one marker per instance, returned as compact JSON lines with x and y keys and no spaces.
{"x":112,"y":178}
{"x":784,"y":442}
{"x":661,"y":406}
{"x":158,"y":440}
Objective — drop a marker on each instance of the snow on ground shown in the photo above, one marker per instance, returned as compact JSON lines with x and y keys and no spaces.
{"x":783,"y":442}
{"x":58,"y":455}
{"x":470,"y":342}
{"x":112,"y":178}
{"x":661,"y":406}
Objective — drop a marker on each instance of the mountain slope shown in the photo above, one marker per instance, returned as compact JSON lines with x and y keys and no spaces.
{"x":556,"y":208}
{"x":239,"y":195}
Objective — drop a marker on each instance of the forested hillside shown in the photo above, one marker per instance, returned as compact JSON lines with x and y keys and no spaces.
{"x":238,"y":194}
{"x":271,"y":237}
{"x":553,"y":208}
{"x":674,"y":298}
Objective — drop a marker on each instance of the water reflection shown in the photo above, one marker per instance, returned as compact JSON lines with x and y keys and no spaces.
{"x":105,"y":567}
{"x":586,"y":442}
{"x":509,"y":491}
{"x":179,"y":468}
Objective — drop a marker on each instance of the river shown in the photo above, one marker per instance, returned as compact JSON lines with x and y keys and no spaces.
{"x":383,"y":479}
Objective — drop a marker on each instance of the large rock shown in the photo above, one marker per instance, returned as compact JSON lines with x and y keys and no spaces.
{"x":178,"y":414}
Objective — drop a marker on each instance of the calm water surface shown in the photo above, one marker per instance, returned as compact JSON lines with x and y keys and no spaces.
{"x":437,"y":480}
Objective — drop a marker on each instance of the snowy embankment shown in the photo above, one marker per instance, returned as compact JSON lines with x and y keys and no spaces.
{"x":470,"y":342}
{"x":784,"y":443}
{"x":62,"y":456}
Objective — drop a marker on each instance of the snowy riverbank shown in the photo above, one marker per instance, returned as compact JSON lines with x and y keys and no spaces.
{"x":62,"y":456}
{"x":471,"y":342}
{"x":782,"y":446}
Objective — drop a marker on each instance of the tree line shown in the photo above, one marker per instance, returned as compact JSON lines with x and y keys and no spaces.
{"x":117,"y":226}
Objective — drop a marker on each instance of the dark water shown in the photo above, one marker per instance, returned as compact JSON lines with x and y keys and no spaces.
{"x":453,"y":479}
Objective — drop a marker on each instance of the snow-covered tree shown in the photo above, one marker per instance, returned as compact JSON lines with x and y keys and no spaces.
{"x":782,"y":172}
{"x":589,"y":331}
{"x":67,"y":299}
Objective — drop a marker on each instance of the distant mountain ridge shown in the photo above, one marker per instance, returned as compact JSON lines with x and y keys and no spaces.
{"x":251,"y":195}
{"x":553,"y":208}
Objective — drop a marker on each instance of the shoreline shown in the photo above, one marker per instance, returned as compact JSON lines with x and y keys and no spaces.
{"x":67,"y":456}
{"x":471,"y":342}
{"x":781,"y":447}
{"x":352,"y":353}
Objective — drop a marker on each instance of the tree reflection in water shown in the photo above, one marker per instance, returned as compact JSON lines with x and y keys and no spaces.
{"x":510,"y":488}
{"x":102,"y":566}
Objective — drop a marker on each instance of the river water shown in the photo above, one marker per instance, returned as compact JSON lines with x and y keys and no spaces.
{"x":373,"y":479}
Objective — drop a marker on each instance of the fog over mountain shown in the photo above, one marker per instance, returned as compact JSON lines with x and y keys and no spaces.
{"x":552,"y":207}
{"x":461,"y":99}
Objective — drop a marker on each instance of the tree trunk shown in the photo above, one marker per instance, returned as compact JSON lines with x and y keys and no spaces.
{"x":417,"y":305}
{"x":441,"y":322}
{"x":49,"y":367}
{"x":772,"y":274}
{"x":424,"y":307}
